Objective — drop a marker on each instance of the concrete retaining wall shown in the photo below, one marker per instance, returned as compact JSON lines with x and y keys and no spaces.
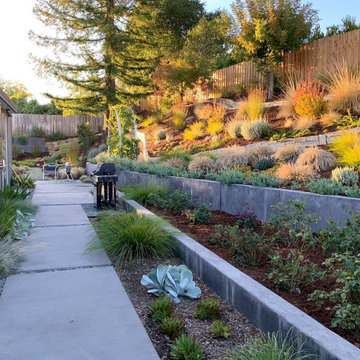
{"x":237,"y":199}
{"x":262,"y":307}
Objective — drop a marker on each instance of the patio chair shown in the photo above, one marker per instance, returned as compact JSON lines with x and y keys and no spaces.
{"x":50,"y":169}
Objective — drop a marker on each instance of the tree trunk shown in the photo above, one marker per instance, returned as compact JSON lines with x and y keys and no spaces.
{"x":271,"y":85}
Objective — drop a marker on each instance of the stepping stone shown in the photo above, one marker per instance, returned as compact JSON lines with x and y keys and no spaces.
{"x":60,"y":247}
{"x":70,"y":315}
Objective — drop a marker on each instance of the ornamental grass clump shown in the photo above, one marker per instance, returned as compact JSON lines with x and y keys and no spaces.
{"x":260,"y":152}
{"x":345,"y":176}
{"x":255,"y":130}
{"x":142,"y":193}
{"x":294,"y":172}
{"x":195,"y":131}
{"x":231,"y":157}
{"x":344,"y":89}
{"x":253,"y":108}
{"x":270,"y":347}
{"x":131,"y":237}
{"x":288,"y":154}
{"x":202,"y":163}
{"x":179,"y":116}
{"x":320,"y":160}
{"x":233,"y":128}
{"x":309,"y":99}
{"x":177,"y":163}
{"x":347,"y":149}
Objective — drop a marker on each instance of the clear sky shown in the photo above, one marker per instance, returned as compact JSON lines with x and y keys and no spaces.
{"x":16,"y":19}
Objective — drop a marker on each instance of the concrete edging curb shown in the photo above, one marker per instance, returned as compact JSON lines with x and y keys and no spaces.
{"x":265,"y":309}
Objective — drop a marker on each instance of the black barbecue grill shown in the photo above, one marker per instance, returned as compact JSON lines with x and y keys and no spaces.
{"x":104,"y":179}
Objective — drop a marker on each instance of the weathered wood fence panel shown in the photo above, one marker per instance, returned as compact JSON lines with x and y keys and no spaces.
{"x":320,"y":56}
{"x":67,"y":125}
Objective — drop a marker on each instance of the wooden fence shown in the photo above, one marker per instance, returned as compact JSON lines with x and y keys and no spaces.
{"x":23,"y":124}
{"x":320,"y":56}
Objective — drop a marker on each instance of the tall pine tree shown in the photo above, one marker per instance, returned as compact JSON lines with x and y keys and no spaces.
{"x":89,"y":39}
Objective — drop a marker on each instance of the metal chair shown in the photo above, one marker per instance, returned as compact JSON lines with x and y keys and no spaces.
{"x":50,"y":169}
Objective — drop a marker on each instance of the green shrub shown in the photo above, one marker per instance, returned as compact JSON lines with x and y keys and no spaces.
{"x":255,"y":130}
{"x":122,"y":164}
{"x":172,"y":327}
{"x":186,"y":348}
{"x":161,"y":308}
{"x":212,"y":176}
{"x":292,"y":272}
{"x":353,"y":192}
{"x":141,"y":193}
{"x":179,"y":201}
{"x":177,"y":153}
{"x":233,"y":177}
{"x":263,"y":164}
{"x":201,"y":215}
{"x":270,"y":347}
{"x":37,"y":151}
{"x":325,"y":187}
{"x":219,"y":329}
{"x":193,"y":174}
{"x":341,"y":238}
{"x":22,"y":139}
{"x":93,"y":152}
{"x":56,"y":136}
{"x":16,"y":151}
{"x":160,"y":134}
{"x":264,"y":181}
{"x":132,"y":237}
{"x":246,"y":248}
{"x":37,"y":132}
{"x":345,"y":299}
{"x":70,"y":152}
{"x":207,"y":309}
{"x":85,"y":179}
{"x":291,"y":217}
{"x":345,"y":176}
{"x":53,"y":159}
{"x":86,"y":136}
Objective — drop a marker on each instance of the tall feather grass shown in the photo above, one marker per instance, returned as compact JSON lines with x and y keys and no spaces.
{"x":344,"y":89}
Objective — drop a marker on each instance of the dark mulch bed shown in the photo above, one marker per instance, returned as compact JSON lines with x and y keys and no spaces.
{"x":241,"y":329}
{"x":203,"y":234}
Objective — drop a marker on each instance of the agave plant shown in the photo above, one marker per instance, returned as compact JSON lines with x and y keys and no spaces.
{"x":171,"y":281}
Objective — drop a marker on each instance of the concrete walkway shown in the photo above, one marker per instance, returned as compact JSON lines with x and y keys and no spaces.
{"x":66,"y":304}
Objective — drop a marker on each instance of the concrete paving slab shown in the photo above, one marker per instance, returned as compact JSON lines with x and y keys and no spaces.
{"x":62,"y":198}
{"x":51,"y":187}
{"x":60,"y":247}
{"x":61,"y":215}
{"x":70,"y":315}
